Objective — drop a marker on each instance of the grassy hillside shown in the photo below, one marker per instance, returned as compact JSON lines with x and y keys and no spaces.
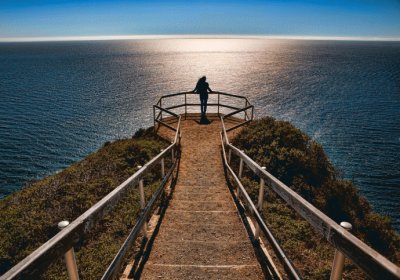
{"x":29,"y":217}
{"x":301,"y":163}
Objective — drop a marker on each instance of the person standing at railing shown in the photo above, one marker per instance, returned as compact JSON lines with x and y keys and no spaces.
{"x":202,"y":88}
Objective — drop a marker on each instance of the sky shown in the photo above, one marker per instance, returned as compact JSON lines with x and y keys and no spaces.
{"x":49,"y":18}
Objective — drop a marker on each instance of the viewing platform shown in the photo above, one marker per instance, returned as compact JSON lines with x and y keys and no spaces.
{"x":200,"y":223}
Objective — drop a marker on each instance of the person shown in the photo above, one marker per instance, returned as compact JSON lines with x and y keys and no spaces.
{"x":202,"y":88}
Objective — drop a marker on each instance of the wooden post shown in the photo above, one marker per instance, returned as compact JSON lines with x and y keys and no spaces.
{"x":260,"y":203}
{"x":229,"y":155}
{"x":142,"y":203}
{"x":185,"y":105}
{"x":162,"y":166}
{"x":154,"y":118}
{"x":240,"y":167}
{"x":172,"y":154}
{"x":218,"y":104}
{"x":261,"y":192}
{"x":245,"y":112}
{"x":69,"y":257}
{"x":338,"y":260}
{"x":161,"y":107}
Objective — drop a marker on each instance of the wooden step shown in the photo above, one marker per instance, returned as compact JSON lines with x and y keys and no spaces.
{"x":203,"y":253}
{"x":201,"y":232}
{"x":154,"y":271}
{"x":222,"y":195}
{"x":203,"y":217}
{"x":201,"y":205}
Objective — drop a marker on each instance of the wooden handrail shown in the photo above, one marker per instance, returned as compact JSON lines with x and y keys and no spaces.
{"x":290,"y":269}
{"x":114,"y":267}
{"x":56,"y":246}
{"x":370,"y":261}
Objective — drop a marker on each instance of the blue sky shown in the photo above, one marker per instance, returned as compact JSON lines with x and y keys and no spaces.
{"x":30,"y":18}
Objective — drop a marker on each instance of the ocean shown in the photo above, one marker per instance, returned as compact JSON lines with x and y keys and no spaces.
{"x":61,"y":101}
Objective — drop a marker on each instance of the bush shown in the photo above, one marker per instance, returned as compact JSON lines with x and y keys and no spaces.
{"x":28,"y":218}
{"x":301,"y":163}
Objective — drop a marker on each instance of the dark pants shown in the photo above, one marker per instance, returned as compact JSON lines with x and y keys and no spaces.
{"x":203,"y":105}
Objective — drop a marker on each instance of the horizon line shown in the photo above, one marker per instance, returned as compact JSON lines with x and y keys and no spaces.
{"x":198,"y":36}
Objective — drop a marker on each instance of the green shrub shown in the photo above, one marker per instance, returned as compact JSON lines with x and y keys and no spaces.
{"x":299,"y":162}
{"x":28,"y":218}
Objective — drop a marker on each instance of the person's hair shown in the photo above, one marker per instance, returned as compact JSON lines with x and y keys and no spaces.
{"x":201,"y":80}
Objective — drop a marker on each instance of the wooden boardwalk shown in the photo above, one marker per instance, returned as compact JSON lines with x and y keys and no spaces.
{"x":202,"y":235}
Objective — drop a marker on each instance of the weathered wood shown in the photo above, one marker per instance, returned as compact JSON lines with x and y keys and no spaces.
{"x":370,"y":261}
{"x":115,"y":266}
{"x":289,"y":267}
{"x":65,"y":239}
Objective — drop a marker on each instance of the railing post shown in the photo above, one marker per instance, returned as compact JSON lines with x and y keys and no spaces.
{"x":241,"y":167}
{"x":162,"y":166}
{"x":185,"y":105}
{"x":218,"y":104}
{"x":260,"y":203}
{"x":154,"y":118}
{"x":338,"y":260}
{"x":229,"y":155}
{"x":245,"y":112}
{"x":172,"y":154}
{"x":69,"y":257}
{"x":161,"y":107}
{"x":142,"y":203}
{"x":261,"y":192}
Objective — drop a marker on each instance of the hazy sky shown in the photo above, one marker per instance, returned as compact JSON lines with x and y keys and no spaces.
{"x":30,"y":18}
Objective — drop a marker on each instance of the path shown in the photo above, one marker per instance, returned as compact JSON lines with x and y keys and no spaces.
{"x":201,"y":235}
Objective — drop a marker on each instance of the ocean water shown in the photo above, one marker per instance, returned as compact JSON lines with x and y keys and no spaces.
{"x":62,"y":100}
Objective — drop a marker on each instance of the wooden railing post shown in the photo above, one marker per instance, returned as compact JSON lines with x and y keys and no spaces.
{"x":229,"y":155}
{"x":239,"y":175}
{"x":69,"y":257}
{"x":240,"y":167}
{"x":338,"y":260}
{"x":154,"y":118}
{"x":172,"y":154}
{"x":162,"y":166}
{"x":261,"y":192}
{"x":218,"y":104}
{"x":142,"y":203}
{"x":260,"y":203}
{"x":185,"y":105}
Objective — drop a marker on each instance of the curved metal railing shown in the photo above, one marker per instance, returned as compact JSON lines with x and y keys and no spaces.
{"x":224,"y":103}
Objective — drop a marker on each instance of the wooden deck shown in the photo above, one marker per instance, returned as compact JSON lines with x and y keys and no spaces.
{"x":201,"y":235}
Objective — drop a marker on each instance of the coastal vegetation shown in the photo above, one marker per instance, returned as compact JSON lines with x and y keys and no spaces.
{"x":299,"y":162}
{"x":29,"y":218}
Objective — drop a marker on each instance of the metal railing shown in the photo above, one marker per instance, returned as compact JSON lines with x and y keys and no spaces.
{"x":63,"y":242}
{"x":237,"y":104}
{"x":368,"y":260}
